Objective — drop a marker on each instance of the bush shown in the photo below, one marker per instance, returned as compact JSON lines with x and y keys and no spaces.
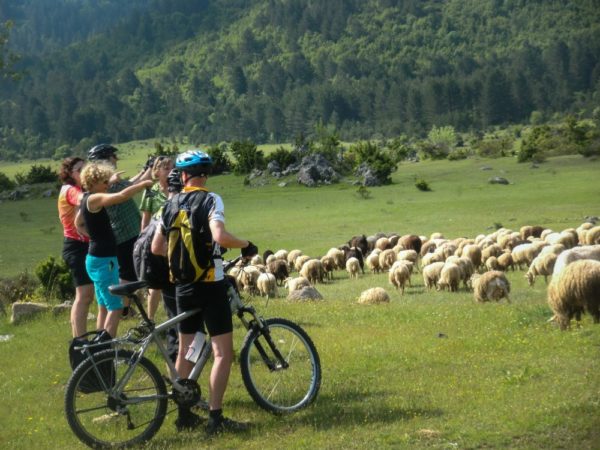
{"x":422,"y":185}
{"x":55,"y":278}
{"x":221,"y":162}
{"x":282,"y":157}
{"x":440,"y":142}
{"x":494,"y":146}
{"x":247,"y":156}
{"x":534,"y":144}
{"x":16,"y":288}
{"x":5,"y":182}
{"x":379,"y":161}
{"x":37,"y":174}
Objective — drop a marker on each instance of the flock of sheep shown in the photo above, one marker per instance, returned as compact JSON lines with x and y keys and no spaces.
{"x":571,"y":257}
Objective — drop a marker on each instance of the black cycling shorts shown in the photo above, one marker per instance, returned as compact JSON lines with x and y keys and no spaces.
{"x":212,"y":298}
{"x":125,"y":258}
{"x":74,"y":253}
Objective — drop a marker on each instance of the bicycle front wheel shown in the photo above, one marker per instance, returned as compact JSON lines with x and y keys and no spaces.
{"x":101,"y":415}
{"x":280,"y":386}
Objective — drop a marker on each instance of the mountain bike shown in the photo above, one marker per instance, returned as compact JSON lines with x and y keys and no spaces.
{"x":118,"y":397}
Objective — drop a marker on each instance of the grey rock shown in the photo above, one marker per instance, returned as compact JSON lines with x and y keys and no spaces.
{"x":498,"y":180}
{"x":315,"y":169}
{"x":22,"y":310}
{"x":486,"y":168}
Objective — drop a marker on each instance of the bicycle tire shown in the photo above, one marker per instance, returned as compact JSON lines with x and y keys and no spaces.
{"x":283,"y":390}
{"x":101,"y":421}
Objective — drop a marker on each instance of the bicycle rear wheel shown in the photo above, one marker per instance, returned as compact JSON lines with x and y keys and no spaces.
{"x":103,"y":419}
{"x":274,"y":387}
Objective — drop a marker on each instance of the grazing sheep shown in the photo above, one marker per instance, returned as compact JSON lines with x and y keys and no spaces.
{"x":557,"y":249}
{"x":247,"y":278}
{"x":492,"y":263}
{"x":408,"y":255}
{"x":431,"y":274}
{"x":575,"y":290}
{"x":505,"y":262}
{"x":473,"y":252}
{"x":313,"y":271}
{"x":524,"y":254}
{"x":427,"y":247}
{"x":338,"y":257}
{"x":543,"y":264}
{"x":467,"y":269}
{"x":256,"y":260}
{"x":411,"y":242}
{"x":592,"y":236}
{"x":450,"y":277}
{"x":394,"y":238}
{"x":574,"y":254}
{"x":353,"y":267}
{"x":490,"y":286}
{"x":399,"y":275}
{"x":270,"y":258}
{"x":267,"y":285}
{"x":383,"y":243}
{"x":266,"y":254}
{"x":281,"y":254}
{"x":373,"y":261}
{"x":374,"y":296}
{"x":328,"y":264}
{"x":386,"y":259}
{"x":565,"y":238}
{"x":431,"y":258}
{"x":279,"y":269}
{"x":528,"y":230}
{"x":300,"y":260}
{"x":294,"y":284}
{"x":292,"y":255}
{"x":359,"y":242}
{"x":491,"y":250}
{"x":355,"y":252}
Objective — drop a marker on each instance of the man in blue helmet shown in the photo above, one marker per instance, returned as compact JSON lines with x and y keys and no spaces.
{"x":209,"y":292}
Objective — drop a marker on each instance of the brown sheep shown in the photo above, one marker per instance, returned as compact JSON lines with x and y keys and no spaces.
{"x":280,"y":269}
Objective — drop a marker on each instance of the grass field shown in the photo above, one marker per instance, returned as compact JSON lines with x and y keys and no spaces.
{"x":429,"y":370}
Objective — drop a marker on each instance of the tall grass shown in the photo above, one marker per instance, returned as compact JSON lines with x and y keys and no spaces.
{"x":429,"y":370}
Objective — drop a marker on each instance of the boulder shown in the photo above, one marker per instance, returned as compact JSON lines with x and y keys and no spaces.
{"x":315,"y":169}
{"x":304,"y":294}
{"x":369,"y":178}
{"x":22,"y":310}
{"x":62,"y":308}
{"x":498,"y":180}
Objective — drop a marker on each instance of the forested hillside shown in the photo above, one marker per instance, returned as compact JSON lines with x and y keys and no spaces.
{"x":271,"y":70}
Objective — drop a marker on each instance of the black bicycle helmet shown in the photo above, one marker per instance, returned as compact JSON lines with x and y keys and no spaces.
{"x":194,"y":162}
{"x":101,"y":152}
{"x":174,"y":181}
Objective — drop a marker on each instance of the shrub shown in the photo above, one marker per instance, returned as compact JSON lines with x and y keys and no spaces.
{"x":282,"y":157}
{"x":370,"y":154}
{"x":221,"y":162}
{"x":440,"y":142}
{"x":494,"y":146}
{"x":5,"y":182}
{"x":55,"y":278}
{"x":363,"y":193}
{"x":422,"y":185}
{"x":534,"y":144}
{"x":16,"y":288}
{"x":37,"y":174}
{"x":247,"y":156}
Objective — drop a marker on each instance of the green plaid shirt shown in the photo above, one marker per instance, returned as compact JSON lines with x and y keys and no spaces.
{"x":125,"y":218}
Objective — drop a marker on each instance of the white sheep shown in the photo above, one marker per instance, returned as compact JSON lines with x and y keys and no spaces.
{"x":372,"y":261}
{"x":473,"y":252}
{"x":524,"y":254}
{"x":505,"y":261}
{"x":431,"y":258}
{"x":450,"y":277}
{"x":431,"y":274}
{"x":574,"y":254}
{"x":247,"y":278}
{"x":543,"y":264}
{"x":292,"y":255}
{"x":281,"y":254}
{"x":267,"y":285}
{"x":399,"y":275}
{"x":490,"y":286}
{"x":295,"y":284}
{"x":492,"y":263}
{"x":313,"y":271}
{"x":374,"y":296}
{"x":386,"y":259}
{"x":353,"y":267}
{"x":256,"y":260}
{"x":574,"y":290}
{"x":338,"y":257}
{"x":300,"y":260}
{"x":383,"y":243}
{"x":592,"y":236}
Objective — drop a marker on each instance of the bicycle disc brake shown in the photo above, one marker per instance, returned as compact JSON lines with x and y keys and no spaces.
{"x":189,"y":396}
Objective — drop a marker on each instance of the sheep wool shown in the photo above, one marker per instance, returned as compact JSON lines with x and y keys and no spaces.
{"x":490,"y":286}
{"x":575,"y":290}
{"x":575,"y":254}
{"x":267,"y":285}
{"x":399,"y":275}
{"x":353,"y":267}
{"x":374,"y":296}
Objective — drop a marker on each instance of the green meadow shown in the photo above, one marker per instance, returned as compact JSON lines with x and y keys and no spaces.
{"x":428,"y":370}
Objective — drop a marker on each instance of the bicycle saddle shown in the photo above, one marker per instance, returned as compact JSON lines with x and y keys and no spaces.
{"x":127,"y":288}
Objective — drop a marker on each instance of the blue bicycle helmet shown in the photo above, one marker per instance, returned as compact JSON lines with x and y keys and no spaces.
{"x":194,"y":162}
{"x":101,"y":152}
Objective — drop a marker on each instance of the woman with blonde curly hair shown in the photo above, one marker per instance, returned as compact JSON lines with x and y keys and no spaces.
{"x":101,"y":261}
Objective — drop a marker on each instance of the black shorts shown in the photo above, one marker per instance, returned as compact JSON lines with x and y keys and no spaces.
{"x":212,"y":298}
{"x":74,"y":253}
{"x":125,"y":258}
